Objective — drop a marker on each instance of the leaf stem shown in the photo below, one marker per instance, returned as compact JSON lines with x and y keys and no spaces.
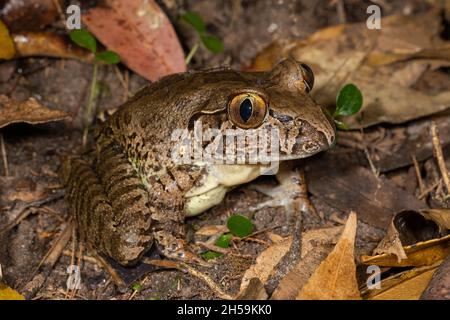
{"x":88,"y":114}
{"x":191,"y":53}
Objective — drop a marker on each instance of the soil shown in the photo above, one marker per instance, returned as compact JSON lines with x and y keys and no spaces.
{"x":33,"y":152}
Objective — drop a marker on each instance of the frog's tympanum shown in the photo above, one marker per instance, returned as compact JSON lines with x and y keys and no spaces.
{"x":131,"y":194}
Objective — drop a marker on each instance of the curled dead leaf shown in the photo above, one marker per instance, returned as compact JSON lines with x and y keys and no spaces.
{"x":416,"y":237}
{"x":419,"y":254}
{"x":29,"y":111}
{"x":48,"y":44}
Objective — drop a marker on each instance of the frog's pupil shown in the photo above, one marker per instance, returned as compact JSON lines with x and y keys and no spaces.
{"x":245,"y":110}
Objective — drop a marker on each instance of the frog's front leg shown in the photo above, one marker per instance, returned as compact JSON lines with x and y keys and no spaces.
{"x":291,"y":193}
{"x":168,"y":214}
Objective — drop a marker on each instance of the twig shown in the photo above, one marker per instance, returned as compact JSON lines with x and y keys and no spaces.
{"x":210,"y":282}
{"x":224,"y":250}
{"x":86,"y":258}
{"x":4,"y":156}
{"x":72,"y":257}
{"x":79,"y":255}
{"x":186,"y":268}
{"x":47,"y":263}
{"x":341,"y":11}
{"x":418,"y":175}
{"x":437,"y":149}
{"x":428,"y":190}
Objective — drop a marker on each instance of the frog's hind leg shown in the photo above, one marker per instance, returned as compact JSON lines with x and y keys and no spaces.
{"x":110,"y":208}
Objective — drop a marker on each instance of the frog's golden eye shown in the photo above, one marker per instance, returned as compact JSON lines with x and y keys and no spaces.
{"x":308,"y":76}
{"x":247,"y":110}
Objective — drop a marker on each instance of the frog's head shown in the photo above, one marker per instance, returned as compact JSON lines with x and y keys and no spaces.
{"x":279,"y":100}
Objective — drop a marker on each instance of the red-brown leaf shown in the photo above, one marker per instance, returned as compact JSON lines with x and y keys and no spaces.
{"x":140,"y":33}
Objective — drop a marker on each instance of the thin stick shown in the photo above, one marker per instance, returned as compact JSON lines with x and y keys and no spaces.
{"x":437,"y":148}
{"x":79,"y":256}
{"x":418,"y":175}
{"x":224,"y":250}
{"x":341,"y":11}
{"x":210,"y":282}
{"x":428,"y":190}
{"x":4,"y":157}
{"x":72,"y":257}
{"x":193,"y":272}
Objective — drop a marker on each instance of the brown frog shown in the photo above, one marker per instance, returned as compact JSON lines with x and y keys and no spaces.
{"x":132,"y":193}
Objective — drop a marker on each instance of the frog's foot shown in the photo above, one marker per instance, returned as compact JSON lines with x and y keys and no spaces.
{"x":177,"y":249}
{"x":291,"y":193}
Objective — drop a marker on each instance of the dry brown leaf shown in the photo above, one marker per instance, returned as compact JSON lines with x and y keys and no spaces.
{"x":266,"y":262}
{"x":312,"y":238}
{"x":29,"y":111}
{"x":140,"y":33}
{"x":407,"y":285}
{"x":6,"y":293}
{"x":335,"y":278}
{"x":441,"y":216}
{"x":384,"y":64}
{"x":289,"y":287}
{"x":211,"y":230}
{"x":29,"y":15}
{"x":7,"y":50}
{"x":420,"y":254}
{"x":48,"y":44}
{"x":253,"y":291}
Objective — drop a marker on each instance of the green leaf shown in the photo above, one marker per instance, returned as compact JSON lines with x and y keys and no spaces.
{"x":195,"y":21}
{"x":210,"y":255}
{"x":349,"y":101}
{"x":84,"y":39}
{"x":108,"y":57}
{"x":224,"y":240}
{"x":136,"y":287}
{"x":240,"y":226}
{"x":212,"y":43}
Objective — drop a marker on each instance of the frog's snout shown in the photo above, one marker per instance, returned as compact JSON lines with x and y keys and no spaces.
{"x":310,"y":140}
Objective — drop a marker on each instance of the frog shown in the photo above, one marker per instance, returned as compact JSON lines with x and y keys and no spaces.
{"x":130,"y":193}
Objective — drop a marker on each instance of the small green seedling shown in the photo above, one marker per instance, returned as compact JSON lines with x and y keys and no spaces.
{"x":224,"y":240}
{"x":85,"y":39}
{"x":239,"y":226}
{"x":211,"y":255}
{"x":348,"y":102}
{"x":211,"y":42}
{"x":136,"y":287}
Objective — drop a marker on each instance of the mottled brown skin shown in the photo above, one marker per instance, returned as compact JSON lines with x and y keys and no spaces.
{"x":132,"y":194}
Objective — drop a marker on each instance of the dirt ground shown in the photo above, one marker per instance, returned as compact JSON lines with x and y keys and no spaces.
{"x":33,"y":152}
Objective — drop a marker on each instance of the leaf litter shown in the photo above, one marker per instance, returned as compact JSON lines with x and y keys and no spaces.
{"x":317,"y":244}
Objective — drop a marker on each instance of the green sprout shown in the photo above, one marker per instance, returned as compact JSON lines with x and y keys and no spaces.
{"x":85,"y":39}
{"x":348,"y":102}
{"x":210,"y":42}
{"x":239,"y":226}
